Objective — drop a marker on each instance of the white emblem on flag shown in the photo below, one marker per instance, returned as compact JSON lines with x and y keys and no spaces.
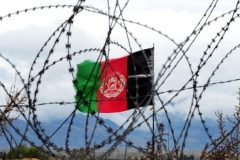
{"x":113,"y":85}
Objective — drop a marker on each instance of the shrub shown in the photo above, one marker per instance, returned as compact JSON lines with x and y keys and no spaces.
{"x":24,"y":151}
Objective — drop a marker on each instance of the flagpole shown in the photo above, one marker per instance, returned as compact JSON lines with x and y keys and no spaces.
{"x":153,"y":103}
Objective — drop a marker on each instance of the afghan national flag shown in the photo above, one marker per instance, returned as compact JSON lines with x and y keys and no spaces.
{"x":116,"y":85}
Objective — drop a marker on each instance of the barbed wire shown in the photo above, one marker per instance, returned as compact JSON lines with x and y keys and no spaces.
{"x":138,"y":116}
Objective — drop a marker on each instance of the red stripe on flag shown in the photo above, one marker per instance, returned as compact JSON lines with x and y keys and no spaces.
{"x":113,"y":86}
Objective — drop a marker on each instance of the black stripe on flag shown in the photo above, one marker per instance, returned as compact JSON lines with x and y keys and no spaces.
{"x":143,"y":67}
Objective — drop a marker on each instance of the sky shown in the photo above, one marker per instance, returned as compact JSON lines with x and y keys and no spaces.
{"x":22,"y":37}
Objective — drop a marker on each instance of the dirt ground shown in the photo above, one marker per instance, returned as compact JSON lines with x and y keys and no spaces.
{"x":133,"y":153}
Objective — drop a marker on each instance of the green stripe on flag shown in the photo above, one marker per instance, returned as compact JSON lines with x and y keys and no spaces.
{"x":88,"y":81}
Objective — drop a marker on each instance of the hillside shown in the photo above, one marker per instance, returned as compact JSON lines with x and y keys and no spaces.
{"x":196,"y":140}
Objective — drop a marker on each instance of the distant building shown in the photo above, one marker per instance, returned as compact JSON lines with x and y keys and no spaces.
{"x":2,"y":153}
